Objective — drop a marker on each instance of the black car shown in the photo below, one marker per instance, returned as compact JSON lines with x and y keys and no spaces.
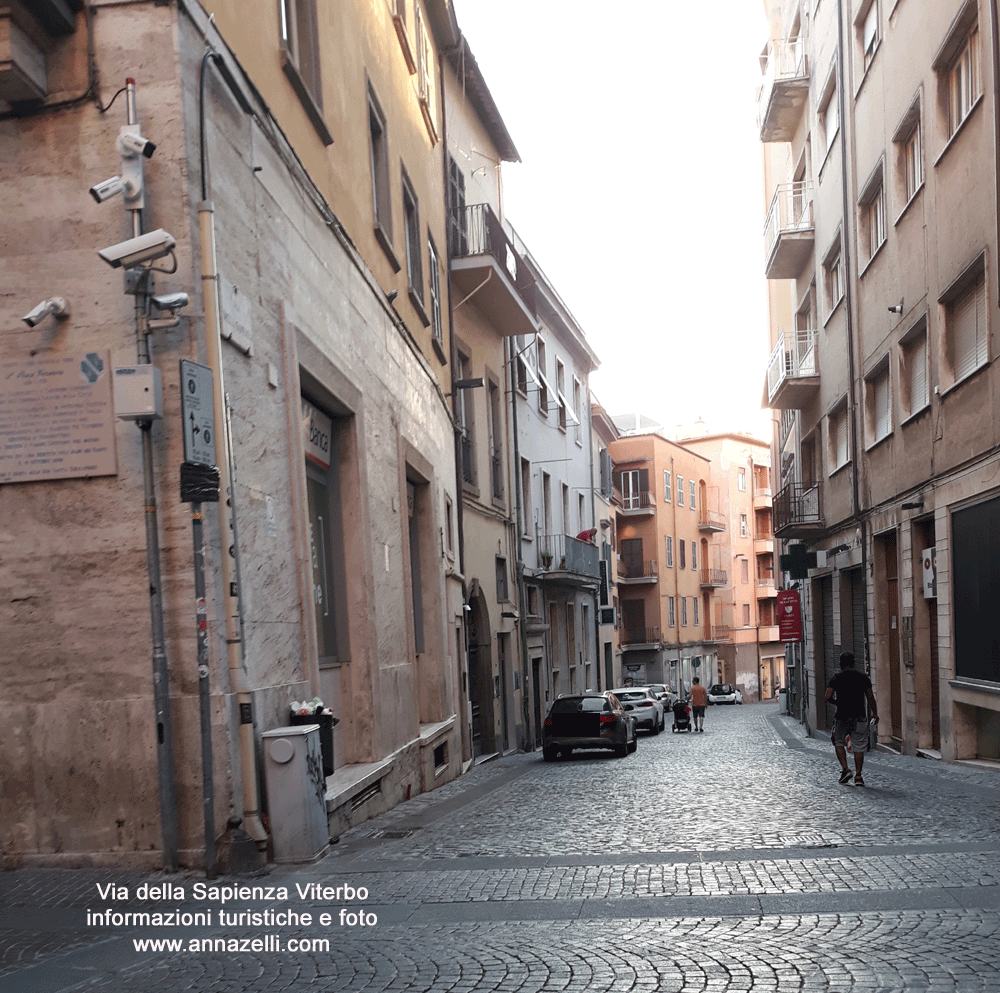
{"x":587,"y":720}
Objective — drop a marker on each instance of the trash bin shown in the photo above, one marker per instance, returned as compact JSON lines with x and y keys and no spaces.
{"x":296,"y":792}
{"x":326,"y":722}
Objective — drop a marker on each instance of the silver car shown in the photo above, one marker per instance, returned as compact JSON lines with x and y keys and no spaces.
{"x":644,"y":705}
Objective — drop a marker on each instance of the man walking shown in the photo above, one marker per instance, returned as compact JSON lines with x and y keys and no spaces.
{"x":851,"y":689}
{"x":699,"y":701}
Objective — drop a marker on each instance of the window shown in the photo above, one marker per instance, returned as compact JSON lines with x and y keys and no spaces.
{"x":561,"y":392}
{"x":871,"y":215}
{"x":694,"y":611}
{"x":670,"y":552}
{"x":741,"y":480}
{"x":878,"y":405}
{"x":838,"y":439}
{"x":961,"y":77}
{"x":829,"y":114}
{"x":634,"y":484}
{"x":381,"y":201}
{"x":426,"y":77}
{"x":681,"y":546}
{"x":684,"y":611}
{"x":577,"y":394}
{"x":743,"y":525}
{"x":467,"y":422}
{"x":671,"y":616}
{"x":667,"y":487}
{"x":567,"y":527}
{"x":526,"y":495}
{"x":680,"y":491}
{"x":300,"y":59}
{"x":691,"y":486}
{"x":416,"y":500}
{"x":833,"y":276}
{"x":497,"y":461}
{"x":458,"y":233}
{"x":547,"y":502}
{"x":543,"y":384}
{"x":502,"y":589}
{"x":746,"y":615}
{"x":909,"y":155}
{"x":868,"y":34}
{"x":449,"y":524}
{"x":694,"y":555}
{"x":437,"y":327}
{"x":745,"y":570}
{"x":580,"y":512}
{"x":411,"y":221}
{"x":914,"y":392}
{"x":965,"y":323}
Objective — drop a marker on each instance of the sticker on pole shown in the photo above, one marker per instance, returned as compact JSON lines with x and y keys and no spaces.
{"x":198,"y":412}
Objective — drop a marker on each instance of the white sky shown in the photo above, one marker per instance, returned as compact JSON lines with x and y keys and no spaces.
{"x":639,"y":191}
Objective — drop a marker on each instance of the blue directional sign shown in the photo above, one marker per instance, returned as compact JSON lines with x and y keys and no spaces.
{"x":198,"y":412}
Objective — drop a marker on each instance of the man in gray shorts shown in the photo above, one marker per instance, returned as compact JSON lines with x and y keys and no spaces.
{"x":851,"y":689}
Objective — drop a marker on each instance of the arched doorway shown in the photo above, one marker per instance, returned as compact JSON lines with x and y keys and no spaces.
{"x":481,"y":677}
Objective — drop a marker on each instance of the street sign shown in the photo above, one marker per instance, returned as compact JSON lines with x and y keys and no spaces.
{"x":198,"y":413}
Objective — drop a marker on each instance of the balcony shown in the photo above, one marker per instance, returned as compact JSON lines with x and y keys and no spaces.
{"x":486,"y":268}
{"x":762,"y":497}
{"x":766,"y":588}
{"x":767,"y":632}
{"x":784,"y":90}
{"x":718,"y":632}
{"x":789,"y":232}
{"x":569,"y":561}
{"x":798,"y":511}
{"x":711,"y":521}
{"x":714,"y":578}
{"x":763,"y":543}
{"x":793,"y":371}
{"x":632,"y":573}
{"x":635,"y":639}
{"x":637,"y":504}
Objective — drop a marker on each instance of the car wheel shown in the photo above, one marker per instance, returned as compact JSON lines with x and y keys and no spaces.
{"x":657,"y":727}
{"x":621,"y":751}
{"x":550,"y":754}
{"x":633,"y":745}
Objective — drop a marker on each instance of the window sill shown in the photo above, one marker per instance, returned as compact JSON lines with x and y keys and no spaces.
{"x":906,"y":206}
{"x":439,"y":350}
{"x":868,"y":68}
{"x":471,"y":488}
{"x":961,"y":127}
{"x":874,"y":256}
{"x":878,"y":441}
{"x":840,"y":468}
{"x":404,"y":43}
{"x":910,"y":418}
{"x":418,"y":306}
{"x":945,"y":390}
{"x":833,"y":310}
{"x":385,"y":241}
{"x":309,"y":104}
{"x":827,"y":153}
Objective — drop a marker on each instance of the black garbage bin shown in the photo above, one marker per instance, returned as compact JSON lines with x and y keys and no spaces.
{"x":326,"y":723}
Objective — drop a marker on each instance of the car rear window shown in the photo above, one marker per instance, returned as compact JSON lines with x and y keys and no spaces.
{"x":721,"y":688}
{"x":581,"y":705}
{"x":634,"y":695}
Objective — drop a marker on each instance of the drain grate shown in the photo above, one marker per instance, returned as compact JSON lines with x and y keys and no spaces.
{"x":394,"y":833}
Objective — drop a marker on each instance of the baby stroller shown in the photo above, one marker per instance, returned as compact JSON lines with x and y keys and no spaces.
{"x":682,"y":717}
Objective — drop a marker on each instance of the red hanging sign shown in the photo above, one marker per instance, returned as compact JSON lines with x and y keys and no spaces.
{"x":789,"y":616}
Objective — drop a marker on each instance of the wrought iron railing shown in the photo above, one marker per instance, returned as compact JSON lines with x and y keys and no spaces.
{"x":476,"y":230}
{"x":713,"y":519}
{"x":714,"y":577}
{"x":795,"y":505}
{"x":637,"y":569}
{"x":792,"y":357}
{"x":637,"y":501}
{"x":639,"y":636}
{"x":791,"y":210}
{"x":784,"y":60}
{"x":561,"y":553}
{"x":497,"y":466}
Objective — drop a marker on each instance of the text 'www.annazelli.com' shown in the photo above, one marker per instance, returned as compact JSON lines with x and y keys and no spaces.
{"x":268,"y":943}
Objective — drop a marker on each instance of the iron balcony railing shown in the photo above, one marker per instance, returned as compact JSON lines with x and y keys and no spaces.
{"x":638,"y":569}
{"x":637,"y":501}
{"x":714,"y":577}
{"x":562,"y":553}
{"x":476,"y":230}
{"x":791,"y":210}
{"x":784,"y":61}
{"x":468,"y":463}
{"x":720,"y":632}
{"x":639,"y":636}
{"x":797,"y":506}
{"x":497,"y":466}
{"x":712,"y":520}
{"x":793,"y":357}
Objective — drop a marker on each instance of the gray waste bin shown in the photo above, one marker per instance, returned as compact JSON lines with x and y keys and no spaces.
{"x":296,"y":793}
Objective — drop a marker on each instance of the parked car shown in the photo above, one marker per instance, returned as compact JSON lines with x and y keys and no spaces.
{"x":587,"y":720}
{"x":644,"y":704}
{"x":724,"y":693}
{"x":662,"y":692}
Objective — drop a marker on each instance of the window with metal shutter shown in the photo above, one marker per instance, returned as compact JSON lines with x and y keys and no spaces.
{"x":967,"y":326}
{"x":917,"y":368}
{"x":883,"y":405}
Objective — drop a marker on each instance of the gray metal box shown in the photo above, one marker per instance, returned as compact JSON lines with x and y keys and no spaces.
{"x":138,"y":393}
{"x":296,"y":793}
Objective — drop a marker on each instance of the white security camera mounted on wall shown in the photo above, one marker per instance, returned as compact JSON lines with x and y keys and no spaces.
{"x":135,"y":251}
{"x":57,"y":306}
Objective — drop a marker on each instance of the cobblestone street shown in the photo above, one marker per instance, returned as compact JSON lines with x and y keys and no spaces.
{"x":725,"y":861}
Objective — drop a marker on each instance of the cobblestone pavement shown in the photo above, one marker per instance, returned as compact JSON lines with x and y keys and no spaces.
{"x":723,"y":862}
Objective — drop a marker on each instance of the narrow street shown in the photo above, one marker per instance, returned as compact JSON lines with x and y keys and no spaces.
{"x":725,"y":861}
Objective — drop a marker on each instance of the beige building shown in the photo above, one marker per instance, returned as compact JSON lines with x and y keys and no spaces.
{"x":739,"y":499}
{"x":881,"y":248}
{"x":319,"y":173}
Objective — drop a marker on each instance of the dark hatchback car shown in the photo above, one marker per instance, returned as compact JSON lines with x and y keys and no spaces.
{"x":587,"y":720}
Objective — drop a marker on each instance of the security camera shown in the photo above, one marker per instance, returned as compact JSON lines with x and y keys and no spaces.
{"x":131,"y":144}
{"x":57,"y":306}
{"x":895,"y":309}
{"x":135,"y":251}
{"x":111,"y":188}
{"x":171,"y":301}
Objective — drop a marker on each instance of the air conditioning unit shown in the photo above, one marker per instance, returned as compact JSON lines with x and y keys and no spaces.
{"x":22,"y":64}
{"x":608,"y":615}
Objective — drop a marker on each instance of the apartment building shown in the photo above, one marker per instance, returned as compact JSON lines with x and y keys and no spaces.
{"x":559,"y":548}
{"x":606,"y":507}
{"x":492,"y":299}
{"x":672,"y":579}
{"x":297,"y":196}
{"x":881,"y":248}
{"x":738,"y":508}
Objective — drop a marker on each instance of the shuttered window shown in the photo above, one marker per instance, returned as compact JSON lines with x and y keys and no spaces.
{"x":967,"y":329}
{"x":838,"y":438}
{"x":915,"y":369}
{"x":881,"y":405}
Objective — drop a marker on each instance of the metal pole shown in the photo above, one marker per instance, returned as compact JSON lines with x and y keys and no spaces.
{"x":204,"y":689}
{"x":161,"y":683}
